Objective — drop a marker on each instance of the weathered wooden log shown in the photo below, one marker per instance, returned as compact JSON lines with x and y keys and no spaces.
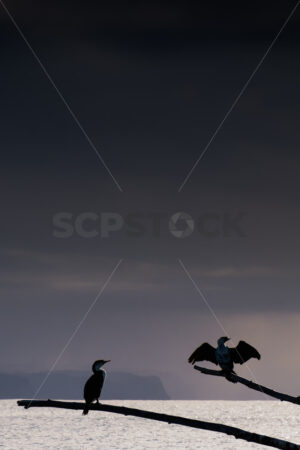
{"x":250,"y":384}
{"x":232,"y":431}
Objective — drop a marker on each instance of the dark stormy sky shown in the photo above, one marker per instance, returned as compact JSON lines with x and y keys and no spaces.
{"x":150,"y":82}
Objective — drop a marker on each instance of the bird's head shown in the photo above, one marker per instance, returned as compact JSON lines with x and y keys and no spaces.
{"x":223,"y":339}
{"x":98,"y":364}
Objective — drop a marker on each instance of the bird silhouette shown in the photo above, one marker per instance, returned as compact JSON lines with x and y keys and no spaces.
{"x":94,"y":385}
{"x":224,"y":356}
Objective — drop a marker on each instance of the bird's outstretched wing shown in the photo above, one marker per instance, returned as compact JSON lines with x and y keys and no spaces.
{"x":203,"y":353}
{"x":243,"y":352}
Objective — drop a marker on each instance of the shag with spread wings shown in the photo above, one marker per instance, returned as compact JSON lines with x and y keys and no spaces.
{"x":224,"y":356}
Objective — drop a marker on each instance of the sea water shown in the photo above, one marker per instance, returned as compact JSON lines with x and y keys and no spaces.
{"x":51,"y":428}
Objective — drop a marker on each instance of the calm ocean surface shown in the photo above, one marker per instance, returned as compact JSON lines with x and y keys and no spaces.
{"x":39,"y":428}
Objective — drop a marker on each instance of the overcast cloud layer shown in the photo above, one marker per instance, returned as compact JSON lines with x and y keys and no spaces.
{"x":150,"y":84}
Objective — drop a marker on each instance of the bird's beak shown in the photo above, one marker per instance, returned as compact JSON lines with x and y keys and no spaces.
{"x":107,"y":361}
{"x":227,"y":339}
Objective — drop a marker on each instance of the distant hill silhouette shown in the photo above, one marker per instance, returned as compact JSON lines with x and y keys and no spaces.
{"x":69,"y":385}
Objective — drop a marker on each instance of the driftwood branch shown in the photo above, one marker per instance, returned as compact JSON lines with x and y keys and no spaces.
{"x":257,"y":387}
{"x":232,"y":431}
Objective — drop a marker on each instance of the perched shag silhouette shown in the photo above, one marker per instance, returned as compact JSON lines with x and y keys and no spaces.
{"x":93,"y":386}
{"x":223,"y":356}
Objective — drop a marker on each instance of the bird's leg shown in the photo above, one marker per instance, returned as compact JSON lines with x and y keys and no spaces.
{"x":228,"y":375}
{"x":229,"y":378}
